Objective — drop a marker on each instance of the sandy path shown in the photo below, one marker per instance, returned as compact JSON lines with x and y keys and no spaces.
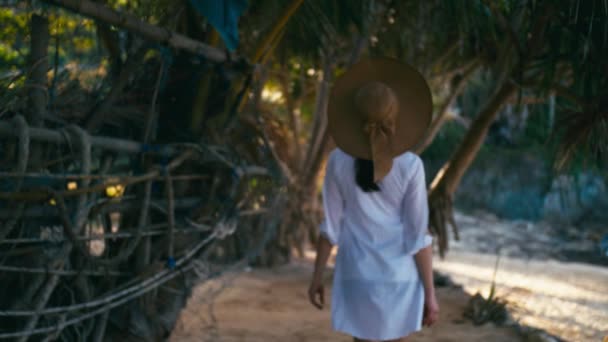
{"x":569,"y":300}
{"x":271,"y":305}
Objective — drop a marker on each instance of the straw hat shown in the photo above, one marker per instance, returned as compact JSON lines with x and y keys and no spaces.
{"x":377,"y":110}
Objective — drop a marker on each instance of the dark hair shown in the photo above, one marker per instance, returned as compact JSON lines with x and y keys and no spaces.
{"x":364,"y":175}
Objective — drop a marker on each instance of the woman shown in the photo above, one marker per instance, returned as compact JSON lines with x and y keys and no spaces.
{"x":375,"y":203}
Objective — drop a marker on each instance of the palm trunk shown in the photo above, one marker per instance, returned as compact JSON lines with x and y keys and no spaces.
{"x":446,"y":181}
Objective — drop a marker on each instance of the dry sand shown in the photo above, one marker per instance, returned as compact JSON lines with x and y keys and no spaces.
{"x":272,"y":305}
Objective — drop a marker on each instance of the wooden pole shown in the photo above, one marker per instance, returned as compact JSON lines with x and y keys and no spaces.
{"x":129,"y":22}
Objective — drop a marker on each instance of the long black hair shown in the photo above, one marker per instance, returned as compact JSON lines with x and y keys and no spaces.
{"x":364,"y":175}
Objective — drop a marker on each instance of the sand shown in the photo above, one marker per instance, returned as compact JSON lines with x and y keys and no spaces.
{"x":272,"y":305}
{"x":543,"y":287}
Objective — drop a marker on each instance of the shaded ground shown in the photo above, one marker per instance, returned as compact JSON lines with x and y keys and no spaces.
{"x":272,"y":305}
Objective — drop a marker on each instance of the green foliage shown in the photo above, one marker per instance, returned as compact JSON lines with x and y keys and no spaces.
{"x":72,"y":38}
{"x":13,"y":40}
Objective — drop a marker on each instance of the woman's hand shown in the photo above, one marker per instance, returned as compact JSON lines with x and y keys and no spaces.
{"x":424,"y":263}
{"x":431,"y":310}
{"x":316,"y":294}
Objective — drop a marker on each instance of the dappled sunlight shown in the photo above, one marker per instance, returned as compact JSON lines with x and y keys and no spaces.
{"x":567,"y":299}
{"x":539,"y":293}
{"x":537,"y":282}
{"x":272,"y":95}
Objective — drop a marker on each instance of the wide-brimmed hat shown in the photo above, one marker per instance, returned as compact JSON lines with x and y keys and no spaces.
{"x":378,"y":109}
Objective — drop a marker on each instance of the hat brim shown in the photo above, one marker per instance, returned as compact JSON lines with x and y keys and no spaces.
{"x":345,"y":122}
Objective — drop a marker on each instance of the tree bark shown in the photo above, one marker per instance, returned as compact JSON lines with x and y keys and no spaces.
{"x":446,"y":181}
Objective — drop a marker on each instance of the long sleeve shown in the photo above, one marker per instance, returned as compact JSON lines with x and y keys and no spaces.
{"x":333,"y":204}
{"x":416,"y":211}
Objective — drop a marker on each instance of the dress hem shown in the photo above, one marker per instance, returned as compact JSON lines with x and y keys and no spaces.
{"x":361,"y":337}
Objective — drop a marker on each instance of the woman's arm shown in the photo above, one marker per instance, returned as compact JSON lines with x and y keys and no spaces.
{"x":316,"y":292}
{"x":424,"y":263}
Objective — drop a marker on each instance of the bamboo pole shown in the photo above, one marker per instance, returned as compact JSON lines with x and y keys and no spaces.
{"x":129,"y":22}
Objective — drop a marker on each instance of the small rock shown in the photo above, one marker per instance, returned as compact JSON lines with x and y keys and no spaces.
{"x":442,"y":280}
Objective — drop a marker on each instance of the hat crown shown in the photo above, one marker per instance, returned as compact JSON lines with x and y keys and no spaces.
{"x":377,"y":102}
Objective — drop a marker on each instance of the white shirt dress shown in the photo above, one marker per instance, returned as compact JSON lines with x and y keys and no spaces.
{"x":377,"y":291}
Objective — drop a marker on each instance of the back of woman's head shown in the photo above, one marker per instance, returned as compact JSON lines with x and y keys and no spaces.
{"x":364,"y":175}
